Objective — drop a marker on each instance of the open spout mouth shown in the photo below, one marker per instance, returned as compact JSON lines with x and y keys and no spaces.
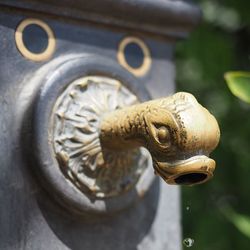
{"x":195,"y":170}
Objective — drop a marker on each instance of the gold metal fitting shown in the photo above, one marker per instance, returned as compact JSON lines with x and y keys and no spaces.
{"x":147,"y":61}
{"x":37,"y":57}
{"x":177,"y":131}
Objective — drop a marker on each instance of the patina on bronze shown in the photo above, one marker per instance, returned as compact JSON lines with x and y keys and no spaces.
{"x":178,"y":132}
{"x":100,"y":130}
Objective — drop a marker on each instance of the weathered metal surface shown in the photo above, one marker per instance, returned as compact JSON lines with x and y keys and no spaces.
{"x":178,"y":132}
{"x":98,"y":129}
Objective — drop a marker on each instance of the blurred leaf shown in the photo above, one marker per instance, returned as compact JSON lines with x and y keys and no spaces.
{"x":239,"y":84}
{"x":241,"y":222}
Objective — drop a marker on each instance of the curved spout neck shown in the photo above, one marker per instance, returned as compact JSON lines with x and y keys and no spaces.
{"x":177,"y":131}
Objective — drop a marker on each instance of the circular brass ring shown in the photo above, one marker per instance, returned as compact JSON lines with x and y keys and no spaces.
{"x":146,"y":64}
{"x":37,"y":57}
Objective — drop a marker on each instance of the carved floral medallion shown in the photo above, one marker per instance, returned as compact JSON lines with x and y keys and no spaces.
{"x":75,"y":136}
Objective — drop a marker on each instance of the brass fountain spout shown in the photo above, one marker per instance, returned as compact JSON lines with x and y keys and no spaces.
{"x":100,"y":132}
{"x":177,"y":131}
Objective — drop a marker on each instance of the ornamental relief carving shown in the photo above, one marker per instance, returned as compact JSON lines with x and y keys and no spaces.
{"x":75,"y":137}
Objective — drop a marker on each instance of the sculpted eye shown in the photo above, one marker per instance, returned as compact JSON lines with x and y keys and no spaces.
{"x":163,"y":134}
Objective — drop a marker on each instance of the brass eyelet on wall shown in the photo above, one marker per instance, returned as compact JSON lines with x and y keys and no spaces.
{"x":47,"y":52}
{"x":146,"y":61}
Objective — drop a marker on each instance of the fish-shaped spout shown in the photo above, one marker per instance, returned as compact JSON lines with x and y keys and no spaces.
{"x":178,"y":132}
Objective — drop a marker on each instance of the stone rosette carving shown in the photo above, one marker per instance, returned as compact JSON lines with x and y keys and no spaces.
{"x":76,"y":121}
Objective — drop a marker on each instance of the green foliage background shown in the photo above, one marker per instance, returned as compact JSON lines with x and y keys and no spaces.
{"x":215,"y":214}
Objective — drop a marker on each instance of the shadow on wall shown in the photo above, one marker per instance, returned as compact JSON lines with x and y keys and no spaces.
{"x":121,"y":231}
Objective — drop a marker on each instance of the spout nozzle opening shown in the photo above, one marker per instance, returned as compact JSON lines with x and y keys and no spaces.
{"x":195,"y":170}
{"x":190,"y":179}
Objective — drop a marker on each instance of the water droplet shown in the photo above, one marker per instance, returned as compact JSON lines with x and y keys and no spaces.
{"x":188,"y":242}
{"x":188,"y":208}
